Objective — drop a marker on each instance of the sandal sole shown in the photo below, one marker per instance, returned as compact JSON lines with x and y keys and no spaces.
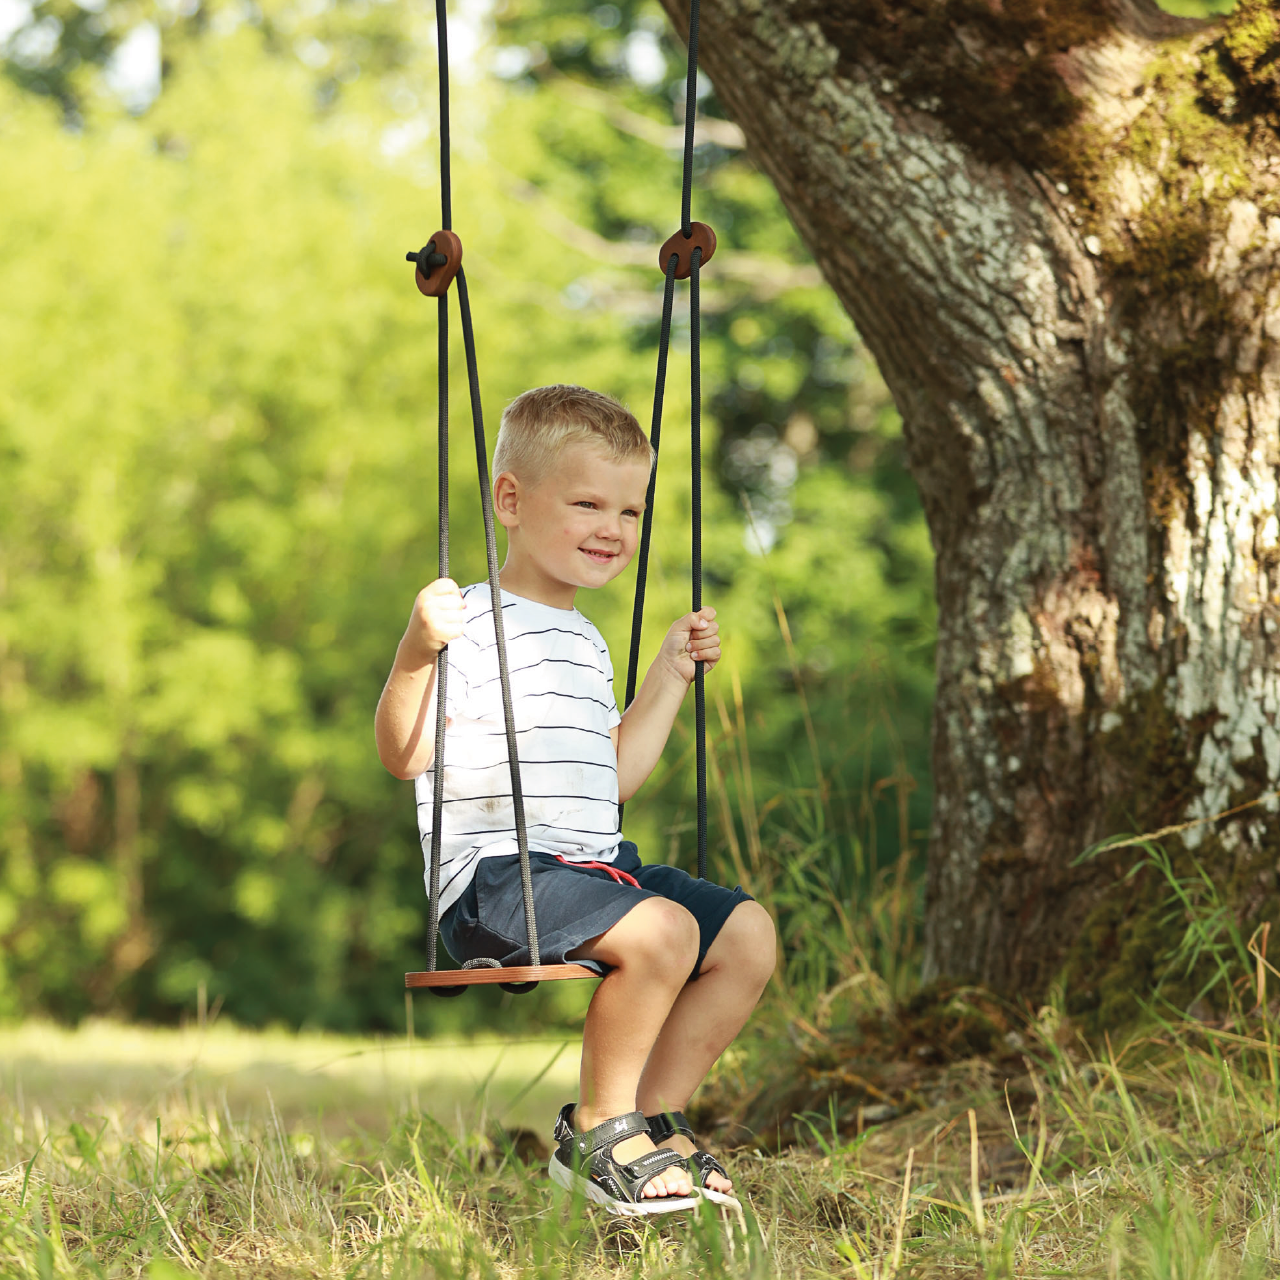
{"x":565,"y":1177}
{"x":721,"y":1198}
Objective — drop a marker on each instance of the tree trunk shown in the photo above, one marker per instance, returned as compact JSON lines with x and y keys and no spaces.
{"x":1056,"y":227}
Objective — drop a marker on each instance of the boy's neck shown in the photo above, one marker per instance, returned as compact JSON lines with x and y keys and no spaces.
{"x":523,"y":578}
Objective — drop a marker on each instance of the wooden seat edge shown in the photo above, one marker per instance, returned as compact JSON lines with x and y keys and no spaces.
{"x":490,"y":977}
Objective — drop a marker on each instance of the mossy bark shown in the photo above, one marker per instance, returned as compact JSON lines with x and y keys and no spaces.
{"x":1057,"y":227}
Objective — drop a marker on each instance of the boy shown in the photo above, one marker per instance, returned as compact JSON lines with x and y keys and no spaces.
{"x":684,"y":960}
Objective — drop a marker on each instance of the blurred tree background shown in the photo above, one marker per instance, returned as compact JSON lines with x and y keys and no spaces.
{"x":216,"y":460}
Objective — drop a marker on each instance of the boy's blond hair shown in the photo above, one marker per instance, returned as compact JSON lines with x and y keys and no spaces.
{"x":539,"y":423}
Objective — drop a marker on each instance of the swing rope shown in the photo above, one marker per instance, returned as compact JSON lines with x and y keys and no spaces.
{"x":670,"y":266}
{"x":426,"y":261}
{"x":438,"y":264}
{"x":695,"y":464}
{"x":499,"y":630}
{"x":690,"y":115}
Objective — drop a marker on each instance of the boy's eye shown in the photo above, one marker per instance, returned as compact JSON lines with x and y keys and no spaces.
{"x":635,"y":515}
{"x":590,"y":506}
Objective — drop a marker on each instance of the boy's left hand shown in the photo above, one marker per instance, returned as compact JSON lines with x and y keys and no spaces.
{"x":692,"y":639}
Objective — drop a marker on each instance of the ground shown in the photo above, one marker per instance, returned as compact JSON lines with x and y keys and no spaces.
{"x":217,"y":1151}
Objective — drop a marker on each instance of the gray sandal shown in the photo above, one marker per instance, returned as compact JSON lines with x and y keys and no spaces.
{"x":584,"y":1162}
{"x":700,"y":1164}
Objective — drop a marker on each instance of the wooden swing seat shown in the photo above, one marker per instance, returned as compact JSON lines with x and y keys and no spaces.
{"x":480,"y":977}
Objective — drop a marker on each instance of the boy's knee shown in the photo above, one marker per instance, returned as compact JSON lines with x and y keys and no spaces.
{"x":666,"y":941}
{"x":750,"y":945}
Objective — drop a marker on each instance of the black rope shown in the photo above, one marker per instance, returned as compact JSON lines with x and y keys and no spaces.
{"x":491,"y":548}
{"x":695,"y":426}
{"x":646,"y":527}
{"x":442,"y":660}
{"x":690,"y":115}
{"x":442,"y":506}
{"x":446,"y":181}
{"x":499,"y":631}
{"x":695,"y":466}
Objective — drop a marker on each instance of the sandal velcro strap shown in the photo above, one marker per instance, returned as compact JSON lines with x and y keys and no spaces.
{"x":707,"y":1163}
{"x":609,"y":1134}
{"x":642,"y":1170}
{"x":650,"y":1165}
{"x":563,"y":1131}
{"x":701,"y":1163}
{"x":664,"y":1126}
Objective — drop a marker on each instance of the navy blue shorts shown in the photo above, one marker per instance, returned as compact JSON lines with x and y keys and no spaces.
{"x":572,"y":905}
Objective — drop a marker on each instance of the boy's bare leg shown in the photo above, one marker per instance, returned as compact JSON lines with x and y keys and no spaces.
{"x":652,"y":949}
{"x":707,"y":1015}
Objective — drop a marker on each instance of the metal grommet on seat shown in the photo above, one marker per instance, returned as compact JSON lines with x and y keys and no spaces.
{"x":700,"y":237}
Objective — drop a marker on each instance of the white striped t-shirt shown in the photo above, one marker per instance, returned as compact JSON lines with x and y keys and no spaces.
{"x":562,"y":695}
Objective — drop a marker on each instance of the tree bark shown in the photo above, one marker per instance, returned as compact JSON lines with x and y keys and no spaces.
{"x":1056,"y":228}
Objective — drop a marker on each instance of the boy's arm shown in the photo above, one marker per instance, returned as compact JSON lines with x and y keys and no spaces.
{"x":404,"y":724}
{"x":647,"y":723}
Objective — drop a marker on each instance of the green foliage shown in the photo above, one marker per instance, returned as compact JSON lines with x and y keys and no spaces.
{"x":59,"y":46}
{"x":1197,"y":8}
{"x":216,"y":410}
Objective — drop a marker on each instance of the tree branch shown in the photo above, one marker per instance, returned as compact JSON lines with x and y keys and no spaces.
{"x":1145,"y":20}
{"x":765,"y":277}
{"x":722,"y":133}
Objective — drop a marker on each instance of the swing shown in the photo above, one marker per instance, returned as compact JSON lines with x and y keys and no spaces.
{"x":436,"y":266}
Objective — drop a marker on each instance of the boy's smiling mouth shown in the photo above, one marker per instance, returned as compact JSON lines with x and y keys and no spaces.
{"x":600,"y":557}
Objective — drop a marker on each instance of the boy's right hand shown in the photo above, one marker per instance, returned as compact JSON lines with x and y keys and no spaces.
{"x":438,"y":616}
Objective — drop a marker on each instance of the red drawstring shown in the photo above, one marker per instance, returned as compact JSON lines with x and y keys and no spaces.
{"x":620,"y":877}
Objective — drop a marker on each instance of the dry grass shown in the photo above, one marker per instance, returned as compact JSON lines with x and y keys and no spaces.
{"x":312,"y":1079}
{"x":1156,"y":1161}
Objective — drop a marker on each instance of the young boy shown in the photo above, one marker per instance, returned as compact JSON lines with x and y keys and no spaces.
{"x":684,"y":960}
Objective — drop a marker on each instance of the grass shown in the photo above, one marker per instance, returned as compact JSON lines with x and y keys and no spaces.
{"x":213,"y":1154}
{"x":340,"y":1084}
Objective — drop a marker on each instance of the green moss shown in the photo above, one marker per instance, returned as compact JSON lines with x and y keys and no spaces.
{"x":1151,"y":756}
{"x":1008,"y":105}
{"x":1134,"y":943}
{"x":1126,"y":948}
{"x":1211,"y":113}
{"x":1248,"y":57}
{"x":1119,"y":955}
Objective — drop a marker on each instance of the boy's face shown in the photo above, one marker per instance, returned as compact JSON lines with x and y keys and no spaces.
{"x":580,"y":524}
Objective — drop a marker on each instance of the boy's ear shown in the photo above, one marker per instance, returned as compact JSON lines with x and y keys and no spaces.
{"x":506,"y":500}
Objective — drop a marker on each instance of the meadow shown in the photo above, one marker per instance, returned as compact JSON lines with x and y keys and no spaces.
{"x":134,"y":1152}
{"x":928,"y":1132}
